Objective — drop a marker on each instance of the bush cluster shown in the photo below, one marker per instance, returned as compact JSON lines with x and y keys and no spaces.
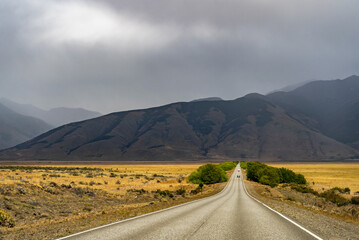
{"x":333,"y":197}
{"x":341,"y":190}
{"x":181,"y":191}
{"x":355,"y":200}
{"x":272,"y":176}
{"x":139,"y":191}
{"x":197,"y":190}
{"x":208,"y":174}
{"x":304,"y":189}
{"x":227,"y":166}
{"x":243,"y":165}
{"x":164,"y":193}
{"x":330,"y":195}
{"x":6,"y":219}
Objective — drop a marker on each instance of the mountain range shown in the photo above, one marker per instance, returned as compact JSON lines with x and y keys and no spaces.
{"x":22,"y":122}
{"x":55,"y":116}
{"x":318,"y":121}
{"x":16,"y":128}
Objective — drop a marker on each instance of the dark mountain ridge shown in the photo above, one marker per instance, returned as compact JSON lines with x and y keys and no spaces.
{"x":315,"y":122}
{"x":247,"y":127}
{"x":331,"y":107}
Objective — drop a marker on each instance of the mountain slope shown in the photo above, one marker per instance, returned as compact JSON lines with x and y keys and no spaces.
{"x":16,"y":128}
{"x":55,"y":117}
{"x":331,"y":107}
{"x":247,"y":127}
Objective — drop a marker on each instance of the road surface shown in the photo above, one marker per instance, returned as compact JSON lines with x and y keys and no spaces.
{"x":231,"y":214}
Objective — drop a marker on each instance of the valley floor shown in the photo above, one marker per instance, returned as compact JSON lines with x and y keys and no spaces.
{"x":52,"y":201}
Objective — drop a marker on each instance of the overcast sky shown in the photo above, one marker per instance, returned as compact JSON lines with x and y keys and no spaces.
{"x":114,"y":55}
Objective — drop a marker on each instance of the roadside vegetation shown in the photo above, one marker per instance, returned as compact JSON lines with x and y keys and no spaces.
{"x":74,"y":198}
{"x":211,"y":173}
{"x":286,"y":185}
{"x":271,"y":176}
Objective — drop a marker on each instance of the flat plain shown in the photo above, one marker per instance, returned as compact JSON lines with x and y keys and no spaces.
{"x":71,"y":198}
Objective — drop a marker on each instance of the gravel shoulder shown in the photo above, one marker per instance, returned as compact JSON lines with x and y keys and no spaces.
{"x":310,"y":217}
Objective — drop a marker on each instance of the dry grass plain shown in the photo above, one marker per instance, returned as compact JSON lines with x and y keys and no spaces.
{"x":71,"y":198}
{"x":327,"y":175}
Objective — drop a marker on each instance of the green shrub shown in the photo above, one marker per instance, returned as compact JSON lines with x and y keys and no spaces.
{"x":330,"y":195}
{"x":6,"y":219}
{"x":195,"y":178}
{"x":303,"y":189}
{"x":288,"y":176}
{"x":227,"y":166}
{"x":268,"y":176}
{"x":272,"y":176}
{"x":164,"y":193}
{"x":208,"y":174}
{"x":243,"y":165}
{"x":341,"y":190}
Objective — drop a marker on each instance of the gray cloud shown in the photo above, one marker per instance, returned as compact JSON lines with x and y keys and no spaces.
{"x":115,"y":55}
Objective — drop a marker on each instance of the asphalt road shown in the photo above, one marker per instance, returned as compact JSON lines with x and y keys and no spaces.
{"x":231,"y":214}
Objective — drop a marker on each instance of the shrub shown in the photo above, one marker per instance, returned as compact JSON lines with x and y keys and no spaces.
{"x":341,"y":190}
{"x":21,"y":190}
{"x":208,"y":174}
{"x":330,"y":195}
{"x":303,"y":189}
{"x":54,"y":175}
{"x":89,"y":175}
{"x":195,"y":191}
{"x":164,"y":193}
{"x":66,"y":186}
{"x":227,"y":166}
{"x":139,"y":191}
{"x":6,"y":219}
{"x":288,"y":176}
{"x":272,"y":176}
{"x":355,"y":200}
{"x":195,"y":178}
{"x":269,"y":176}
{"x":113,"y":175}
{"x":180,"y":191}
{"x":243,"y":165}
{"x":51,"y":190}
{"x":81,"y":191}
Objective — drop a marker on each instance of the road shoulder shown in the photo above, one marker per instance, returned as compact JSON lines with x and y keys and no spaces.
{"x":325,"y":226}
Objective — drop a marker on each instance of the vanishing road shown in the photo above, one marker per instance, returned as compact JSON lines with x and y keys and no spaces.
{"x":231,"y":214}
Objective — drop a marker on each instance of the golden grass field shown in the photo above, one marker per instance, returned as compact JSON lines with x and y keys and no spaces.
{"x":115,"y":179}
{"x":327,"y":175}
{"x":71,"y":198}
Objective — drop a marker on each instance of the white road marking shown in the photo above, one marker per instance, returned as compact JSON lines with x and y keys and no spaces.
{"x":286,"y":218}
{"x":143,"y":215}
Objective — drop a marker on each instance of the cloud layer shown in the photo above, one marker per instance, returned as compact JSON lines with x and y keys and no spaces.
{"x":115,"y":55}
